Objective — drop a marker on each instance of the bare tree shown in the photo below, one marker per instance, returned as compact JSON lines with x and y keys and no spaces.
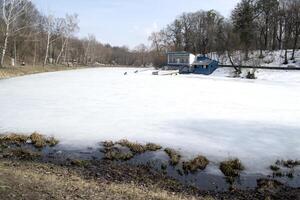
{"x":49,"y":22}
{"x":52,"y":27}
{"x":69,"y":26}
{"x":295,"y":10}
{"x":11,"y":11}
{"x":142,"y":53}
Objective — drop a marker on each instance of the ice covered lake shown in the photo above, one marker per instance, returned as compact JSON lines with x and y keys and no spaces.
{"x":257,"y":121}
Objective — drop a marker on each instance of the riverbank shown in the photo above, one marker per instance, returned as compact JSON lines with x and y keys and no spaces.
{"x":33,"y":180}
{"x":9,"y":72}
{"x":28,"y":179}
{"x":34,"y":167}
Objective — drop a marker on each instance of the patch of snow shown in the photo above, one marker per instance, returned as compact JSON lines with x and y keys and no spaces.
{"x":269,"y":59}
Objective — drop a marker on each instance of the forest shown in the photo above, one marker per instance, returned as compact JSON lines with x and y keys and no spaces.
{"x":35,"y":38}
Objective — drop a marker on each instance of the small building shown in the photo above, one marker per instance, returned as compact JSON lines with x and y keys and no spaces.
{"x":204,"y":65}
{"x":188,"y":63}
{"x":179,"y":60}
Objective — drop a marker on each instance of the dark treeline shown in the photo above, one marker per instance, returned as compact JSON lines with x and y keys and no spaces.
{"x":26,"y":35}
{"x":253,"y":25}
{"x":37,"y":39}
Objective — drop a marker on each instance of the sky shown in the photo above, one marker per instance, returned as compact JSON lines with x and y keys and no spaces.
{"x":128,"y":22}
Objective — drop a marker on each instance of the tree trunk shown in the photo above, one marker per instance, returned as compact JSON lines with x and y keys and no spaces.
{"x":15,"y":51}
{"x":266,"y":33}
{"x":47,"y":49}
{"x":61,"y":51}
{"x":5,"y":45}
{"x":261,"y":45}
{"x":280,"y":35}
{"x":295,"y":45}
{"x":246,"y":54}
{"x":236,"y":68}
{"x":34,"y":56}
{"x":274,"y":37}
{"x":66,"y":60}
{"x":286,"y":57}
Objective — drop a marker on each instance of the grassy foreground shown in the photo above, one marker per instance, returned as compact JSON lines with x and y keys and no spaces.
{"x":9,"y":72}
{"x":32,"y":180}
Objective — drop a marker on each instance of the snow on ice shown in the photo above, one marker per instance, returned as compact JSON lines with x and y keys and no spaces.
{"x":219,"y":117}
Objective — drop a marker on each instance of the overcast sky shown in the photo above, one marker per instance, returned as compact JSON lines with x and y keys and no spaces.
{"x":128,"y":22}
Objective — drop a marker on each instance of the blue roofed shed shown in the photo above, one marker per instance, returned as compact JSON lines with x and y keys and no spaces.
{"x":204,"y":65}
{"x":188,"y":63}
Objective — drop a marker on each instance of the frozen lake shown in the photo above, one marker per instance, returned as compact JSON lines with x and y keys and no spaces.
{"x":256,"y":121}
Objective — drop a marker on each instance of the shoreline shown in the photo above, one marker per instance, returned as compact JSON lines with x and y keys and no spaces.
{"x":11,"y":72}
{"x":129,"y":182}
{"x":29,"y":154}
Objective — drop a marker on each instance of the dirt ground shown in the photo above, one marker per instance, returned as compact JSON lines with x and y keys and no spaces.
{"x":29,"y":180}
{"x":32,"y":180}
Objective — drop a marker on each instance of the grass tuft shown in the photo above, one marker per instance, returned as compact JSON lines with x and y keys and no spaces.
{"x":199,"y":163}
{"x":291,"y":163}
{"x":136,"y":148}
{"x":231,"y":168}
{"x":116,"y":154}
{"x":288,"y":163}
{"x":108,"y":144}
{"x":153,"y":147}
{"x":173,"y":155}
{"x":38,"y":140}
{"x":13,"y":139}
{"x":52,"y":142}
{"x":274,"y":168}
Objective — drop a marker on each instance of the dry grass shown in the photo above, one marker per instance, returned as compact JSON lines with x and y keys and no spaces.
{"x":21,"y":71}
{"x":37,"y":140}
{"x":40,"y":181}
{"x":174,"y":156}
{"x":153,"y":147}
{"x":116,"y":154}
{"x":231,"y":168}
{"x":199,"y":163}
{"x":52,"y":142}
{"x":108,"y":144}
{"x":288,"y":163}
{"x":274,"y":168}
{"x":14,"y":139}
{"x":137,"y":148}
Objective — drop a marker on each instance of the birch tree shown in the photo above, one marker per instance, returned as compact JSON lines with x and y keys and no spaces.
{"x":49,"y":26}
{"x":69,"y":27}
{"x":11,"y":11}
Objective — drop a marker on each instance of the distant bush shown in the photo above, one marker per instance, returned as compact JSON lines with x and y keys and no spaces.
{"x":251,"y":75}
